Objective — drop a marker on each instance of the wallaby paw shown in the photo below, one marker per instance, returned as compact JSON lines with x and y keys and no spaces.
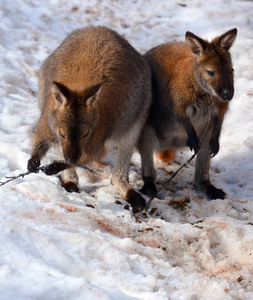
{"x":193,"y":142}
{"x":70,"y":187}
{"x":214,"y":193}
{"x":148,"y":189}
{"x":135,"y":199}
{"x":214,"y":147}
{"x":33,"y":164}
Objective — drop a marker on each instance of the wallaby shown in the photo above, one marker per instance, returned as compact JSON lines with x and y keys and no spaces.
{"x":192,"y":86}
{"x":94,"y":93}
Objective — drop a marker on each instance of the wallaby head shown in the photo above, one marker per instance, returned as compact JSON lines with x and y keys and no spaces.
{"x":74,"y":117}
{"x":213,"y":69}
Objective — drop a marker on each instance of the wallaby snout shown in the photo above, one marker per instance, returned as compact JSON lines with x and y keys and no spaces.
{"x":227,"y":94}
{"x":225,"y":84}
{"x":72,"y":153}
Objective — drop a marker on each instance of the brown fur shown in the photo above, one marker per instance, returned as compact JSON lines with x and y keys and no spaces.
{"x":95,"y":92}
{"x":192,"y":85}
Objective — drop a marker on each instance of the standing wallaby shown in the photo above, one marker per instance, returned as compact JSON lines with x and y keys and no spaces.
{"x":192,"y":85}
{"x":95,"y":93}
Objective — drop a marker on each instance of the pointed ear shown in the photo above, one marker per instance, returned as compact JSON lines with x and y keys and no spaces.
{"x":227,"y":39}
{"x":60,"y":93}
{"x":92,"y":94}
{"x":196,"y":44}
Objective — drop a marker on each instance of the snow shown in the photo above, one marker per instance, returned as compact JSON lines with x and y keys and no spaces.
{"x":56,"y":245}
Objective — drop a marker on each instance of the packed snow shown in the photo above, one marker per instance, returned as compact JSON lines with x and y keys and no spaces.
{"x":89,"y":245}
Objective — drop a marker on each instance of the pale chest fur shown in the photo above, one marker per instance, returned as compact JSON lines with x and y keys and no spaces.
{"x":201,"y":114}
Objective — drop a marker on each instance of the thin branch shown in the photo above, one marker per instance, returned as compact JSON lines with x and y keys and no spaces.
{"x":14,"y":177}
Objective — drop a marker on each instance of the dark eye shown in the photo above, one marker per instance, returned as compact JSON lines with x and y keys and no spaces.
{"x":86,"y":134}
{"x":232,"y":71}
{"x":210,"y":73}
{"x":61,"y":134}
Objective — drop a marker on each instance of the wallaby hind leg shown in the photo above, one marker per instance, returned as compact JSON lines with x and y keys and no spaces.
{"x":120,"y":178}
{"x":201,"y":178}
{"x":145,"y":147}
{"x":120,"y":173}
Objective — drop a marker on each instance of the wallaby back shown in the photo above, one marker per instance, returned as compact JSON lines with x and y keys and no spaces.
{"x":95,"y":90}
{"x":193,"y":82}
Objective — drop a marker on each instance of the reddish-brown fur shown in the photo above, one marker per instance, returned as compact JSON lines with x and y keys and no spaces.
{"x":192,"y":85}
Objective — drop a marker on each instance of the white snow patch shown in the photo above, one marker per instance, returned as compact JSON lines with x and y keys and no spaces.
{"x":55,"y":245}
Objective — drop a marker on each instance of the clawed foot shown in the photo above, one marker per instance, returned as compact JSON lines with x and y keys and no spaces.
{"x":214,"y":193}
{"x":148,"y":189}
{"x":135,"y":199}
{"x":70,"y":187}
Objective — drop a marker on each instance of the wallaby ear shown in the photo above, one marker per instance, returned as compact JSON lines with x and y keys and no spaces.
{"x":196,"y":44}
{"x":60,"y":92}
{"x":92,"y":94}
{"x":227,"y":39}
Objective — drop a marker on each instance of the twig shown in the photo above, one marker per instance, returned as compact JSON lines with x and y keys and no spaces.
{"x":14,"y":177}
{"x":50,"y":169}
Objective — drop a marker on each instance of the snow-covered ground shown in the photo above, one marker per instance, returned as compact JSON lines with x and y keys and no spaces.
{"x":55,"y":245}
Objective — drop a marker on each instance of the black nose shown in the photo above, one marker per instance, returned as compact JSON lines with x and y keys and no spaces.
{"x":227,"y":94}
{"x":72,"y":158}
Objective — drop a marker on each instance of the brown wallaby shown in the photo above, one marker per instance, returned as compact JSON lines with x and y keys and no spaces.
{"x":95,"y":93}
{"x":192,"y":86}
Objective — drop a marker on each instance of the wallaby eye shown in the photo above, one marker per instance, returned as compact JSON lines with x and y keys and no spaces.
{"x":61,"y":134}
{"x":210,"y":73}
{"x":86,"y":134}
